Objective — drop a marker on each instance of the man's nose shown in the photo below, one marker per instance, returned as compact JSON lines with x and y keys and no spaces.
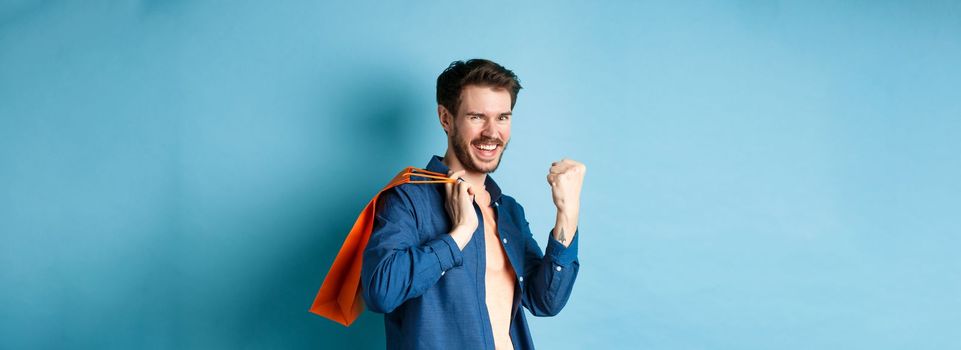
{"x":490,"y":130}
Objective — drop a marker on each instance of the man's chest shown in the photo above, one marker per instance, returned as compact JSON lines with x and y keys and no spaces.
{"x":498,"y":263}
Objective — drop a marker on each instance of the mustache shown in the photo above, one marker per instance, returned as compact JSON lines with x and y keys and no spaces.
{"x":488,"y":140}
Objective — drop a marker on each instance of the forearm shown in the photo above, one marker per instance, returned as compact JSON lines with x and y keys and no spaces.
{"x":550,"y":277}
{"x":565,"y":226}
{"x":391,"y":277}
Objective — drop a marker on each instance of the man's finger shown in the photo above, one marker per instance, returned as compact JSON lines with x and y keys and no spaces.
{"x":449,"y":187}
{"x":455,"y":174}
{"x":464,"y":189}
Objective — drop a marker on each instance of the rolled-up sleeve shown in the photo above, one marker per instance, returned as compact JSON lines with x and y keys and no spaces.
{"x":396,"y":265}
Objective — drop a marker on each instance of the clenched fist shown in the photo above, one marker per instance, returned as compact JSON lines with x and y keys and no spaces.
{"x":566,"y":177}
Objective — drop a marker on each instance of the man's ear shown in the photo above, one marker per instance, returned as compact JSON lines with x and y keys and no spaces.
{"x":446,"y":119}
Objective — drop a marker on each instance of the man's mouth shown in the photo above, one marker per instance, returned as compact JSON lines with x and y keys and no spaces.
{"x":486,"y":150}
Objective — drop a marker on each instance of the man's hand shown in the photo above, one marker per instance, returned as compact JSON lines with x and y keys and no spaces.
{"x":460,"y":208}
{"x":566,"y":177}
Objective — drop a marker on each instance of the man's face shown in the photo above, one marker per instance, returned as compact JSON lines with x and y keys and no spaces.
{"x":480,"y":131}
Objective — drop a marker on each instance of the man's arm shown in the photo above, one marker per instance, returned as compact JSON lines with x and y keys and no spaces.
{"x":396,"y":267}
{"x":548,"y":278}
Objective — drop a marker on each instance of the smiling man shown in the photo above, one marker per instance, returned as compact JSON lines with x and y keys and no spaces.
{"x":454,"y":266}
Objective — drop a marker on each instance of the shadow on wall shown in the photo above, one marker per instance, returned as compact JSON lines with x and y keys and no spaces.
{"x":368,"y":127}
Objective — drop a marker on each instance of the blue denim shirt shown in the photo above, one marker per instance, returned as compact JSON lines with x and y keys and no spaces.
{"x":432,"y":293}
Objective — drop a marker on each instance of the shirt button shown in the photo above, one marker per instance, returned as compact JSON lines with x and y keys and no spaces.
{"x":521,"y":278}
{"x":558,"y":268}
{"x":505,"y":240}
{"x":443,"y":272}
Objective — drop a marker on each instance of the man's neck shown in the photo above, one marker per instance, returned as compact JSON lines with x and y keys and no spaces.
{"x":474,"y":178}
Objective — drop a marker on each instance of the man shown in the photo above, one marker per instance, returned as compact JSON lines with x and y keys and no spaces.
{"x":450,"y":265}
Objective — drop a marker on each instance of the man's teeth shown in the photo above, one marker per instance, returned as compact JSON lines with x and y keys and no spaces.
{"x":487,"y":147}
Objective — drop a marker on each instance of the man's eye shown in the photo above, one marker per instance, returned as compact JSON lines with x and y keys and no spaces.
{"x":504,"y":117}
{"x":474,"y":117}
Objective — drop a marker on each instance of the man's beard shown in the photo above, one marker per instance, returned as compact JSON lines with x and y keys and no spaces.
{"x":463,"y":154}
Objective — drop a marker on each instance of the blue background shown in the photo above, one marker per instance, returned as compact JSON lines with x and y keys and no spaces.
{"x":762,"y":174}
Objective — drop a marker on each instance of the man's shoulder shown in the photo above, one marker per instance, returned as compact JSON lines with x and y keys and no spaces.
{"x":412,"y":194}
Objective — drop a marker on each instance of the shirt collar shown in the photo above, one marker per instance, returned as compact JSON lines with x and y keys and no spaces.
{"x":437,"y":165}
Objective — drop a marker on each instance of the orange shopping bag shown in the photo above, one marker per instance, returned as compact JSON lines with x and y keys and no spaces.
{"x":339,"y":297}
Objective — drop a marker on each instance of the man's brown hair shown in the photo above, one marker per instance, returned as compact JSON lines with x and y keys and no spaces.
{"x":476,"y":71}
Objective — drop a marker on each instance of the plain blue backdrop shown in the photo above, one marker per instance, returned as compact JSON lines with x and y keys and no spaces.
{"x":762,"y":174}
